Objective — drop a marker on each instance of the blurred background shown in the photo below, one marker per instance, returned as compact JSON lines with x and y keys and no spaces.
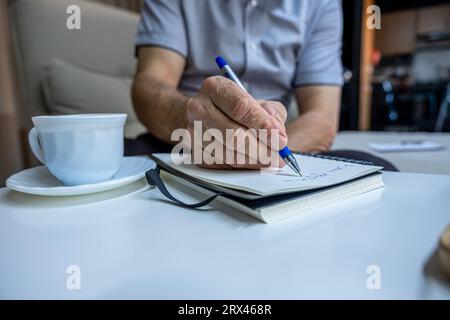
{"x":400,"y":72}
{"x":397,"y":78}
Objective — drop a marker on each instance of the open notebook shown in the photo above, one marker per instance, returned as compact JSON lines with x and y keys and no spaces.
{"x":271,"y":196}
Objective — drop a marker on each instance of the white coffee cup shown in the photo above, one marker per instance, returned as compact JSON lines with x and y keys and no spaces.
{"x":79,"y":149}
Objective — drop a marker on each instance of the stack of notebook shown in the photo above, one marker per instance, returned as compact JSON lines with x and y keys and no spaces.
{"x":276,"y":195}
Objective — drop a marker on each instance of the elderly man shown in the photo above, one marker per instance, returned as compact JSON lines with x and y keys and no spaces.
{"x":280,"y":49}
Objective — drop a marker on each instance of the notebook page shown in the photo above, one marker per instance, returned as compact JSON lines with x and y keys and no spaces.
{"x":317,"y":173}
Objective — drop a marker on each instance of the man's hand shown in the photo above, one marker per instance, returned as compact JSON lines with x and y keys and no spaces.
{"x":221,"y":104}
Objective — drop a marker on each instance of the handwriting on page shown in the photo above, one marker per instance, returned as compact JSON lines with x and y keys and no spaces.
{"x":316,"y":176}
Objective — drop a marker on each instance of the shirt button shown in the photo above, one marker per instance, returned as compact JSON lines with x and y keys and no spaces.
{"x":253,"y":46}
{"x":254,"y":3}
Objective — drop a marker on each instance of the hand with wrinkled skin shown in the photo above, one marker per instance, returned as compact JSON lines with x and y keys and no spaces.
{"x":221,"y":104}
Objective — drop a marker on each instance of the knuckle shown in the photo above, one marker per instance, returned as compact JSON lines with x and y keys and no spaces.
{"x":278,"y":105}
{"x":280,"y":108}
{"x":240,"y":110}
{"x":266,"y":123}
{"x":210,"y":83}
{"x":194,"y":109}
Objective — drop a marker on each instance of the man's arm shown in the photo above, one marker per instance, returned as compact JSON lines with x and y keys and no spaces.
{"x":157,"y":102}
{"x":315,"y":129}
{"x":219,"y":104}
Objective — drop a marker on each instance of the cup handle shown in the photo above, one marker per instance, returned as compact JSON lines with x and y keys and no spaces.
{"x":33,"y":140}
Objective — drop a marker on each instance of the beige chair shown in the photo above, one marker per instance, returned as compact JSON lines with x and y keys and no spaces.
{"x":104,"y":45}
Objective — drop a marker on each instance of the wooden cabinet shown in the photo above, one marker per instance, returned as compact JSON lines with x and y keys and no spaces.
{"x":398,"y":33}
{"x":400,"y":29}
{"x":433,"y":19}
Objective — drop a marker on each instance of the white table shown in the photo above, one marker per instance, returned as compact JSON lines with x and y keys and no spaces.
{"x":139,"y":246}
{"x":437,"y":162}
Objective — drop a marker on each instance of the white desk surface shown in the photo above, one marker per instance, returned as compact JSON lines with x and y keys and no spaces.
{"x":139,"y":246}
{"x":436,"y":162}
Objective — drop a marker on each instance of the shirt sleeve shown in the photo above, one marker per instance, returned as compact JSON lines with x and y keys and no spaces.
{"x":319,"y":61}
{"x":162,"y":25}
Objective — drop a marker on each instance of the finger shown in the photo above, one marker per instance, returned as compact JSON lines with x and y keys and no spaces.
{"x":214,"y":120}
{"x":253,"y":155}
{"x":241,"y":149}
{"x":278,"y":111}
{"x":243,"y":163}
{"x":241,"y":141}
{"x":275,"y":109}
{"x":234,"y":136}
{"x":202,"y":109}
{"x":237,"y":104}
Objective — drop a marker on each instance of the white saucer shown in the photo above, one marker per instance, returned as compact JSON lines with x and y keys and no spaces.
{"x":39,"y":181}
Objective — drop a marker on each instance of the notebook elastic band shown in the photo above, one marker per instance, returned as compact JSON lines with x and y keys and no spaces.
{"x":154,"y":179}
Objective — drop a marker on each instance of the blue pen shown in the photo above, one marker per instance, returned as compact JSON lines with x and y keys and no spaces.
{"x":285,"y":153}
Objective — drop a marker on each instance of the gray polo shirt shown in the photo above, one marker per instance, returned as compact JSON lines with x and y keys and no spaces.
{"x":273,"y":45}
